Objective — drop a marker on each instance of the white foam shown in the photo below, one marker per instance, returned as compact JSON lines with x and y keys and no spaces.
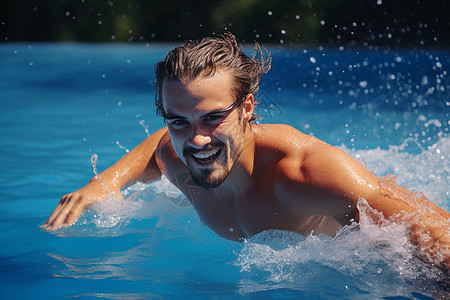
{"x":159,"y":200}
{"x":367,"y":258}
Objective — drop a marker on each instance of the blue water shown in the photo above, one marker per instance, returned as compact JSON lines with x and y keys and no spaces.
{"x":62,"y":103}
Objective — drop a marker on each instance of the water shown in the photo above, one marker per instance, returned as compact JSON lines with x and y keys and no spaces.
{"x":63,"y":103}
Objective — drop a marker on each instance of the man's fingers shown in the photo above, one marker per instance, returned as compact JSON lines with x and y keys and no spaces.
{"x":56,"y":212}
{"x":75,"y":212}
{"x":72,"y":205}
{"x":59,"y":215}
{"x":62,"y":216}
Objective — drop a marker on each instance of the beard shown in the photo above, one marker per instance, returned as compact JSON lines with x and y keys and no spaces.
{"x":211,"y":176}
{"x":204,"y":179}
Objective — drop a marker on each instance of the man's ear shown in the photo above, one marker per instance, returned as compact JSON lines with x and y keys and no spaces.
{"x":249,"y":105}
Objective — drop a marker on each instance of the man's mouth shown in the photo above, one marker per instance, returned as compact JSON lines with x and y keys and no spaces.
{"x":205,"y":157}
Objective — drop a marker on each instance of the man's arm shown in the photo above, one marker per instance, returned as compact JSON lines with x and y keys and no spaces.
{"x":335,"y":171}
{"x":138,"y":165}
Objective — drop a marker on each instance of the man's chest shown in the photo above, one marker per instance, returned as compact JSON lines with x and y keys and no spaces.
{"x":241,"y":216}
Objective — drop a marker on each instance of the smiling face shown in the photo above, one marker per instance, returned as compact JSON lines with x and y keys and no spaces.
{"x":208,"y":139}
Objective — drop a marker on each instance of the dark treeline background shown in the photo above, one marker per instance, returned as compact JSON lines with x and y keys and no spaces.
{"x":362,"y":23}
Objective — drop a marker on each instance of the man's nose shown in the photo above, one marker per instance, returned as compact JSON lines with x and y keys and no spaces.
{"x":200,"y":137}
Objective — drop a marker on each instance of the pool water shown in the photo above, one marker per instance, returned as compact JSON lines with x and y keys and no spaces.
{"x":62,"y":103}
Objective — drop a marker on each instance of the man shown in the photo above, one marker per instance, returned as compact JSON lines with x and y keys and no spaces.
{"x":244,"y":178}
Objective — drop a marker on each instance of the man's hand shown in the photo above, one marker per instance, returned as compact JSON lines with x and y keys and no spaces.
{"x":72,"y":205}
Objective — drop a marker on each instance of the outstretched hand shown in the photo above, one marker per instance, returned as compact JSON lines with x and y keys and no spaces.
{"x":72,"y":205}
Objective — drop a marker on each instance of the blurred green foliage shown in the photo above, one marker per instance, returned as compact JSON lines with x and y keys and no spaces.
{"x":417,"y":23}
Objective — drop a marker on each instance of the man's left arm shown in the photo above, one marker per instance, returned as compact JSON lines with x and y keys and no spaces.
{"x":337,"y":172}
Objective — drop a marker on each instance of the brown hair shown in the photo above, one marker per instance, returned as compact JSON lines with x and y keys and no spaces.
{"x":204,"y":57}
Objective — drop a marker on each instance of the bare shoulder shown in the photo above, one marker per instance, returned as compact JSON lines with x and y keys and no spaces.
{"x":166,"y":157}
{"x":282,"y":137}
{"x":286,"y":144}
{"x":308,"y":175}
{"x":301,"y":157}
{"x":164,"y":140}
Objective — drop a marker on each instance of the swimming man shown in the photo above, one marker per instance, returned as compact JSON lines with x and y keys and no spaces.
{"x":244,"y":178}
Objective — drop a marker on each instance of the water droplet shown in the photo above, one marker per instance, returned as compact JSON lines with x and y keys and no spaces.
{"x":142,"y":122}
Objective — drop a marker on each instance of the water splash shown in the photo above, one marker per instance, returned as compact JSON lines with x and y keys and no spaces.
{"x":94,"y":159}
{"x":155,"y":205}
{"x":142,"y":122}
{"x":122,"y":147}
{"x":362,"y":259}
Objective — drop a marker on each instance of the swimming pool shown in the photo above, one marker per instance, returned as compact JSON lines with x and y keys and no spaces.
{"x":62,"y":103}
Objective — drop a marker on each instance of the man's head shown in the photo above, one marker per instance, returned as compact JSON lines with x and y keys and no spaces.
{"x":205,"y":94}
{"x":202,"y":58}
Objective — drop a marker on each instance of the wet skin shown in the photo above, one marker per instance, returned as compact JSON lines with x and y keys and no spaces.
{"x":243,"y":179}
{"x":241,"y":208}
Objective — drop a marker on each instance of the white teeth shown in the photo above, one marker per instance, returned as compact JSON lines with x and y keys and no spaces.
{"x":203,"y":155}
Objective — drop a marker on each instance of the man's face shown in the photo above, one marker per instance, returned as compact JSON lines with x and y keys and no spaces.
{"x":207,"y":139}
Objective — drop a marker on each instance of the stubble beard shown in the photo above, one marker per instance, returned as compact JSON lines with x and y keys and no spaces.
{"x":210,"y":177}
{"x":215,"y":175}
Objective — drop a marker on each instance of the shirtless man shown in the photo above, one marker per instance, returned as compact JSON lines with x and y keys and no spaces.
{"x":244,"y":178}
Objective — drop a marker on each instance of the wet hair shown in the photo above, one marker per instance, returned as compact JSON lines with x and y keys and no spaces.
{"x":204,"y":57}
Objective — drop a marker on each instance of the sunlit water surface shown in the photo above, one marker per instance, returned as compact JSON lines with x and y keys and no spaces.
{"x":62,"y":103}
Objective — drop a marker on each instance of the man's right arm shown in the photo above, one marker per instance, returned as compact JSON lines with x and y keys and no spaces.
{"x":138,"y":165}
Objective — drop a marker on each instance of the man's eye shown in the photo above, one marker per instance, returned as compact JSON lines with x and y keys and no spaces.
{"x":178,"y":122}
{"x":212,"y":118}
